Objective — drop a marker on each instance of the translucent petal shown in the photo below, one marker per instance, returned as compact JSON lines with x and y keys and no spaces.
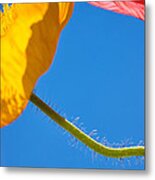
{"x":29,"y":37}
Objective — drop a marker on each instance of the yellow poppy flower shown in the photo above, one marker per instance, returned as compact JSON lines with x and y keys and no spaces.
{"x":29,"y":36}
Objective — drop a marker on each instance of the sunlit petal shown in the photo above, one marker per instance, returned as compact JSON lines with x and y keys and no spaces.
{"x":29,"y":37}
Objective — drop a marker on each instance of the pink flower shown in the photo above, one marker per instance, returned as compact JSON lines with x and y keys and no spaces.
{"x":131,"y":8}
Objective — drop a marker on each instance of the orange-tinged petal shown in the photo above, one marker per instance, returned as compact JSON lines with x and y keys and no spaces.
{"x":29,"y":37}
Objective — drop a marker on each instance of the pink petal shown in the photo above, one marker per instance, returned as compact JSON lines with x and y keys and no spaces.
{"x":131,"y":8}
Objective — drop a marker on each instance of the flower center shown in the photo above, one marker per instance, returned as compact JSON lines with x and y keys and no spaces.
{"x":7,"y":17}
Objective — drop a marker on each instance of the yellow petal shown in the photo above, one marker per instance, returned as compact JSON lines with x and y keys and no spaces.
{"x":29,"y":37}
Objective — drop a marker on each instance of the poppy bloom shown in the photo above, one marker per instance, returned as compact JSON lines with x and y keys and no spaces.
{"x":29,"y":36}
{"x":131,"y":8}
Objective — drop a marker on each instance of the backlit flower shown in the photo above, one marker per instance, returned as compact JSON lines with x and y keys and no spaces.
{"x":29,"y":37}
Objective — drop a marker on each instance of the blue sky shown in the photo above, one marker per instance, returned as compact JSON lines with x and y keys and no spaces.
{"x":97,"y":77}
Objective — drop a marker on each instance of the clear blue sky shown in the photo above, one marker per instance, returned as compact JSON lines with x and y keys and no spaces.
{"x":97,"y":75}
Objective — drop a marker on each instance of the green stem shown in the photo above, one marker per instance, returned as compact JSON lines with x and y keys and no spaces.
{"x":87,"y":140}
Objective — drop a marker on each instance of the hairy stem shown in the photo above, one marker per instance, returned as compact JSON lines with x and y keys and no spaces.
{"x":84,"y":138}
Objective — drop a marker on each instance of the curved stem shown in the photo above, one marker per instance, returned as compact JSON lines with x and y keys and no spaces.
{"x":87,"y":140}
